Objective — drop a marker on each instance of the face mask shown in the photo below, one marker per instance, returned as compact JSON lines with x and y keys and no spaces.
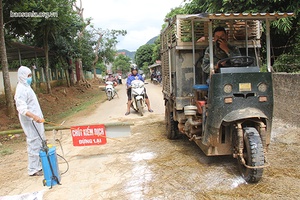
{"x":29,"y":80}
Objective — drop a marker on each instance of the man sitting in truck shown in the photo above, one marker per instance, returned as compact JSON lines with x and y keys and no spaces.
{"x":222,"y":49}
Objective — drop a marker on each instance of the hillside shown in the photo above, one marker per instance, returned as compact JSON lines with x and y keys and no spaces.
{"x":152,"y":40}
{"x":131,"y":54}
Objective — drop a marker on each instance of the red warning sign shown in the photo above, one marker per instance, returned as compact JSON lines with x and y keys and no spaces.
{"x":88,"y":135}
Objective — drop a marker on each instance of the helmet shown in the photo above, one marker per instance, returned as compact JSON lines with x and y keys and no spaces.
{"x":134,"y":68}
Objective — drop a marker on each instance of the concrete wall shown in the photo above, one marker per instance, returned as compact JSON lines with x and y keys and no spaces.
{"x":13,"y":76}
{"x":56,"y":75}
{"x":287,"y":97}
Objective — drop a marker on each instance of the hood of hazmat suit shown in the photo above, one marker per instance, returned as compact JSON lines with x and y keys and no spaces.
{"x":25,"y":97}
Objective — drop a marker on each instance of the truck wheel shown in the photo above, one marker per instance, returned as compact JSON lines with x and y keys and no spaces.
{"x":253,"y":154}
{"x":171,"y":125}
{"x":140,"y":107}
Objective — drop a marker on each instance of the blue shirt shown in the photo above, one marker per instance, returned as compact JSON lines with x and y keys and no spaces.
{"x":132,"y":77}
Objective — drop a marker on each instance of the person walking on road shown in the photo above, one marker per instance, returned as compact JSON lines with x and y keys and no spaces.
{"x":133,"y":76}
{"x":31,"y":119}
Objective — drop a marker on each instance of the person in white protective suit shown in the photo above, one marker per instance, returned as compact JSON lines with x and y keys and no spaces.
{"x":30,"y":112}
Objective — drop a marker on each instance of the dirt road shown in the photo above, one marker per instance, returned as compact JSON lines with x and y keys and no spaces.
{"x":148,"y":166}
{"x":114,"y":110}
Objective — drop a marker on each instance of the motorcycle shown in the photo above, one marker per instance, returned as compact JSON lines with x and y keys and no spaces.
{"x":138,"y":96}
{"x":156,"y":78}
{"x":110,"y":90}
{"x":155,"y":81}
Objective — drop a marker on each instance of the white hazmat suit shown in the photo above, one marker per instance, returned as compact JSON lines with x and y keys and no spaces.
{"x":30,"y":112}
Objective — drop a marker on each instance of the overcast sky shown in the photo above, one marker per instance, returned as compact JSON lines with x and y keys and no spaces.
{"x":142,"y":19}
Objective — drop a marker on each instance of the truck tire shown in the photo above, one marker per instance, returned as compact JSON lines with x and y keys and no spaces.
{"x":253,"y":154}
{"x":171,"y":125}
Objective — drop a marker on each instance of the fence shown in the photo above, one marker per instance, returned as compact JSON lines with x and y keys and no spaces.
{"x":39,"y":77}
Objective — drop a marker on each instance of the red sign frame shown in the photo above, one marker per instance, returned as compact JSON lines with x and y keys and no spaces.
{"x":88,"y":135}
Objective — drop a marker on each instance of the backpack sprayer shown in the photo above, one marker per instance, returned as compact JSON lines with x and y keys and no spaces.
{"x":48,"y":157}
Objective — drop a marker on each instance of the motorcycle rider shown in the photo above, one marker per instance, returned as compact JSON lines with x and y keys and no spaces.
{"x":135,"y":76}
{"x":111,"y":78}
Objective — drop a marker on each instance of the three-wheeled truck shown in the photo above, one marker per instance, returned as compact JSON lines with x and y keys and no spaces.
{"x":227,"y":112}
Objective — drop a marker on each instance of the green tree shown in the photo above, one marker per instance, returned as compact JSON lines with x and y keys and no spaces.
{"x":47,"y":29}
{"x":5,"y":71}
{"x":101,"y":66}
{"x":284,"y":31}
{"x":84,"y":51}
{"x":11,"y":28}
{"x":107,"y":54}
{"x":144,"y":54}
{"x":145,"y":68}
{"x":42,"y":31}
{"x":121,"y":63}
{"x":81,"y":39}
{"x":156,"y":50}
{"x":65,"y":49}
{"x":17,"y":27}
{"x":107,"y":39}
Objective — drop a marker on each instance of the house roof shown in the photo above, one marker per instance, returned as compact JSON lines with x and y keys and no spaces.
{"x":252,"y":16}
{"x":19,"y":51}
{"x":154,"y":65}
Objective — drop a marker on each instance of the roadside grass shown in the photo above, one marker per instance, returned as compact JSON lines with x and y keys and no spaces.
{"x":5,"y":150}
{"x":85,"y":105}
{"x":9,"y":142}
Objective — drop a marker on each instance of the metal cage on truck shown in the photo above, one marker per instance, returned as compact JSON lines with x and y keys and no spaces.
{"x":191,"y":33}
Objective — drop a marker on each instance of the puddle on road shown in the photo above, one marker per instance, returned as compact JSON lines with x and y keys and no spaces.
{"x":141,"y":177}
{"x":171,"y":173}
{"x":142,"y":156}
